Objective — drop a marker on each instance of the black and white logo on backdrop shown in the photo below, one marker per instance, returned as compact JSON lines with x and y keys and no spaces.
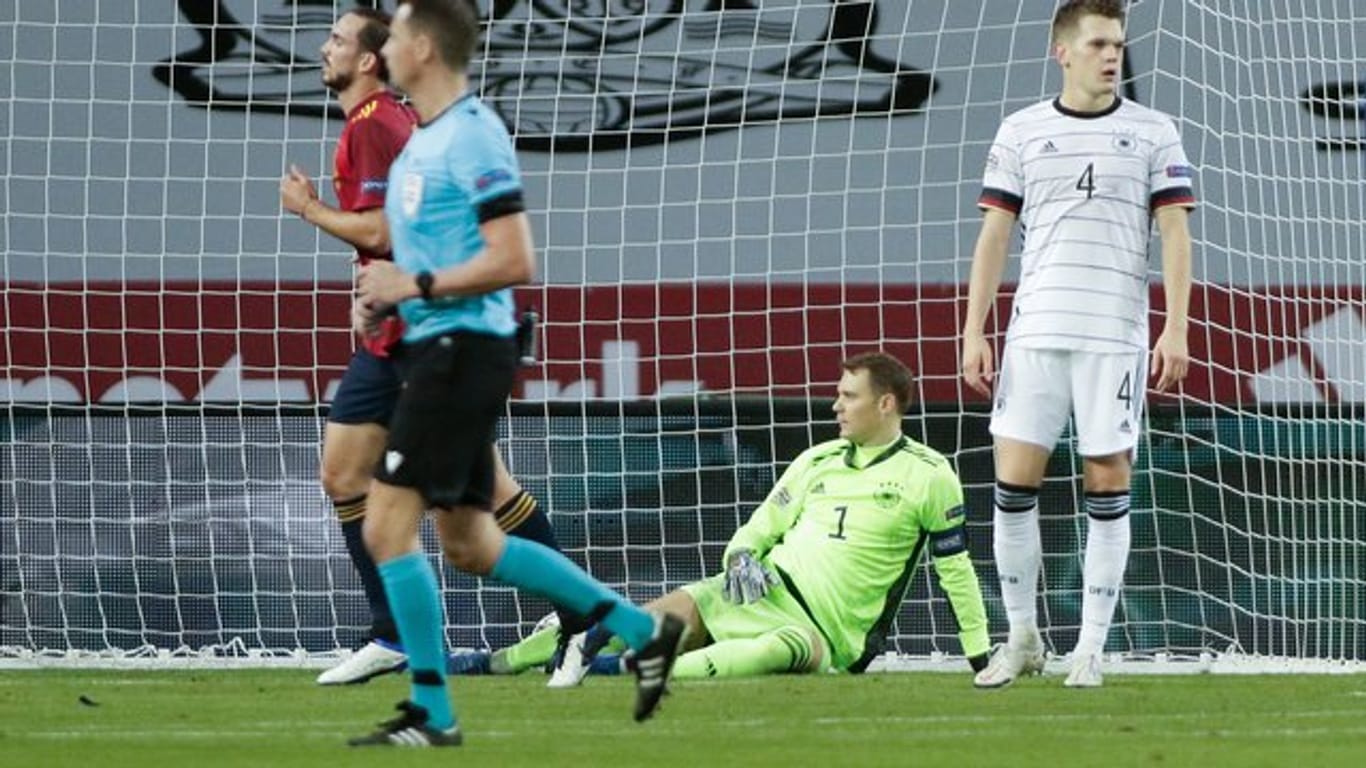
{"x":1342,"y":107}
{"x":587,"y":74}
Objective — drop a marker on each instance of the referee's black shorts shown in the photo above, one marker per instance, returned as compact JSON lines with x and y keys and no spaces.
{"x":454,"y":389}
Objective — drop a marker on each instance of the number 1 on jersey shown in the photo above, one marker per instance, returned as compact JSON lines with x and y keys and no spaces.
{"x":839,"y":527}
{"x":1087,"y":182}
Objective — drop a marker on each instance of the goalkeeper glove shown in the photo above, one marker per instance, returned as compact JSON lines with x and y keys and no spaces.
{"x":747,"y":580}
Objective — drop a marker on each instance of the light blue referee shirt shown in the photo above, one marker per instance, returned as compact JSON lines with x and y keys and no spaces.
{"x":457,"y":170}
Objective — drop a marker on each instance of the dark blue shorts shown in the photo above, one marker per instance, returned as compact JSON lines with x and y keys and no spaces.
{"x":368,"y":391}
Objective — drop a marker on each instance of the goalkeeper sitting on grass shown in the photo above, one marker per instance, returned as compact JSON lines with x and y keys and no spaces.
{"x":814,"y":579}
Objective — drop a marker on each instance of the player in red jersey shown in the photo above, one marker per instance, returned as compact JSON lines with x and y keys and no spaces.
{"x":377,"y":127}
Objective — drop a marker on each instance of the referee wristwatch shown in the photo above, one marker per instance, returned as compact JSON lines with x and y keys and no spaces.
{"x":425,"y":280}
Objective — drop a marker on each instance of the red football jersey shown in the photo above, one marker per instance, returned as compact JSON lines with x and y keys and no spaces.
{"x":375,"y":133}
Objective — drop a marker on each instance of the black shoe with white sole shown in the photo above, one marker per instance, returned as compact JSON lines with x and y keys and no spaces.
{"x":409,"y":729}
{"x":655,"y":661}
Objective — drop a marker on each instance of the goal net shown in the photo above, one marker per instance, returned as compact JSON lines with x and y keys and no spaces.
{"x":729,"y":196}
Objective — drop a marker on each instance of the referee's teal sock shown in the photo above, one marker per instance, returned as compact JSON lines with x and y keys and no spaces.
{"x":411,"y":586}
{"x":543,"y":571}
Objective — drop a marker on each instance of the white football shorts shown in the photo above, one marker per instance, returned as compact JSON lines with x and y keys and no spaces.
{"x":1038,"y":390}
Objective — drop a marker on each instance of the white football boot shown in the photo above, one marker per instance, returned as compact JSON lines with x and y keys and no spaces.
{"x":571,"y":665}
{"x":1011,"y":662}
{"x":375,"y":658}
{"x":1085,"y":672}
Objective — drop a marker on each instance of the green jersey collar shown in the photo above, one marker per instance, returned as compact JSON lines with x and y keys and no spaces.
{"x":851,"y":454}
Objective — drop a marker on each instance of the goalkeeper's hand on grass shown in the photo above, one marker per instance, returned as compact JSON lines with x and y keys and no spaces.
{"x":747,"y":579}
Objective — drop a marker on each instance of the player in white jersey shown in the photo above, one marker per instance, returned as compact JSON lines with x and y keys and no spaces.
{"x":1086,"y":174}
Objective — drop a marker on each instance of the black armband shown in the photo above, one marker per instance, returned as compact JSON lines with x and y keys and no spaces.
{"x":502,"y":205}
{"x":950,"y":542}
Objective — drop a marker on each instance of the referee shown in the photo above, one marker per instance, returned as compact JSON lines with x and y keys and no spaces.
{"x":461,"y":239}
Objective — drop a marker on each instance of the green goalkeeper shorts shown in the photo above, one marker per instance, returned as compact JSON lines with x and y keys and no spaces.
{"x":725,"y":620}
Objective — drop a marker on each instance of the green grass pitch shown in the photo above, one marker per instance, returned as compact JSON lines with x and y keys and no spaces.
{"x":278,"y":718}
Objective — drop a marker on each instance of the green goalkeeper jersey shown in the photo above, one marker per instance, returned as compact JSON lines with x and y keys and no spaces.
{"x":846,"y":538}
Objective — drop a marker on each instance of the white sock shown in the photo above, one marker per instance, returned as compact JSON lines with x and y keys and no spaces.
{"x":1107,"y":554}
{"x":1019,"y":554}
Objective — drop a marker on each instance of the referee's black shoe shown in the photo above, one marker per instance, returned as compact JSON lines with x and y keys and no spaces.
{"x":655,"y":661}
{"x":410,"y":729}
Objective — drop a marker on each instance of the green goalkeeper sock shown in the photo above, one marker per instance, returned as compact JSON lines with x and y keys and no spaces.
{"x":788,"y":649}
{"x":534,"y":651}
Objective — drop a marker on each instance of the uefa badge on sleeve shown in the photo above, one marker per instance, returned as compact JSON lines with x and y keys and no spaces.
{"x":412,"y":194}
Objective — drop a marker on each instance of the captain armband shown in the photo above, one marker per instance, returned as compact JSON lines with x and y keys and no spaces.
{"x":950,"y":542}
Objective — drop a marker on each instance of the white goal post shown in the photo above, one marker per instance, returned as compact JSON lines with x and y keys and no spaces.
{"x":729,"y":196}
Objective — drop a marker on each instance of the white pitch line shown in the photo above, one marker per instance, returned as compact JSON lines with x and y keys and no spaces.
{"x":330,"y":729}
{"x":92,"y":683}
{"x":1065,"y":717}
{"x":1253,"y":731}
{"x":147,"y":733}
{"x":249,"y":727}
